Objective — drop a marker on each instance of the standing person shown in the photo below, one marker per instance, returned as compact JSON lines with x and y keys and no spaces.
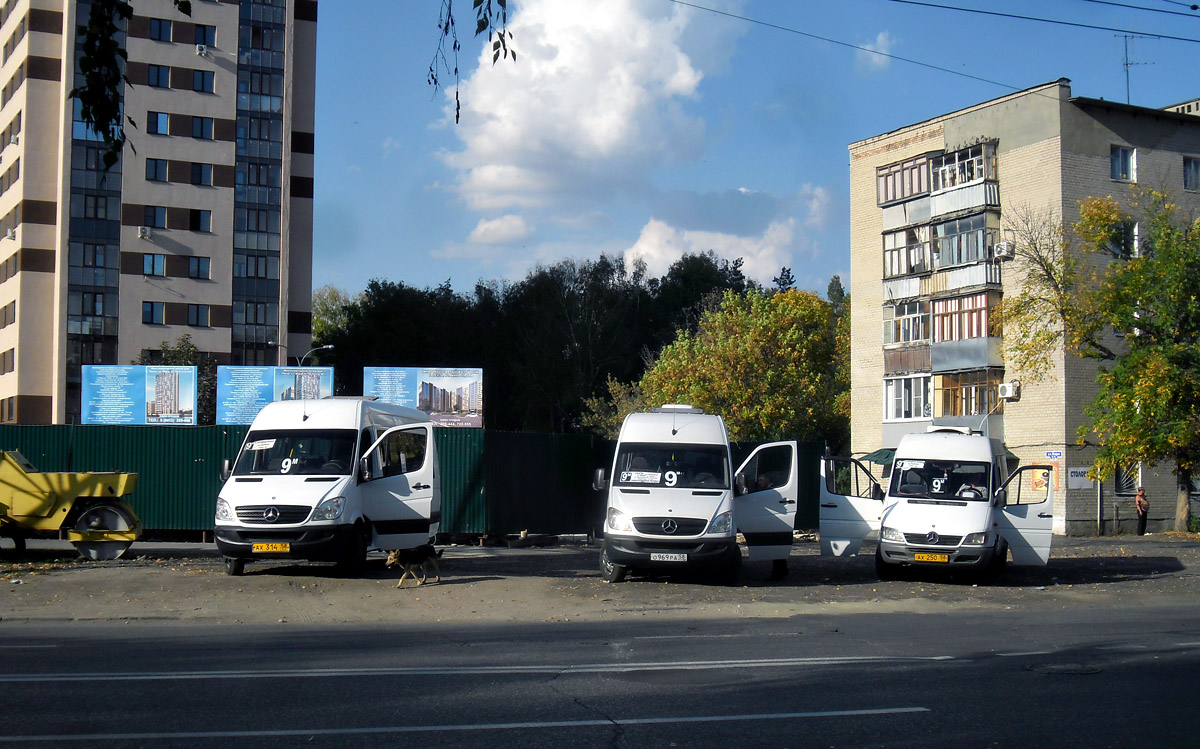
{"x":1143,"y":509}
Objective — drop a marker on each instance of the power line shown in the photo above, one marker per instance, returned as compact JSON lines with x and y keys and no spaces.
{"x":1150,"y":10}
{"x":818,"y":37}
{"x":1046,"y":20}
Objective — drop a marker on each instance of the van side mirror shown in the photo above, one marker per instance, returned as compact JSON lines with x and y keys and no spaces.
{"x":877,"y":492}
{"x":364,"y":469}
{"x":226,"y":469}
{"x":1001,"y":498}
{"x":598,"y":482}
{"x":739,"y":484}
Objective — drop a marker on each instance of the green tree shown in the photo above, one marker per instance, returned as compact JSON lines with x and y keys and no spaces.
{"x":1147,"y":408}
{"x":766,"y":363}
{"x":184,"y":353}
{"x":328,"y":313}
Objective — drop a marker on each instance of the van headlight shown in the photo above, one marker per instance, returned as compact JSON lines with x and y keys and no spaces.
{"x":974,"y":539}
{"x":722,"y":523}
{"x":224,"y":511}
{"x":891,"y":534}
{"x":618,"y":520}
{"x":330,"y":509}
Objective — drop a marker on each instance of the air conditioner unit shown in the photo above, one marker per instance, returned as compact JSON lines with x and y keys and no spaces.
{"x":1004,"y":251}
{"x":1009,"y":391}
{"x":143,"y":232}
{"x":202,"y":49}
{"x":10,"y":234}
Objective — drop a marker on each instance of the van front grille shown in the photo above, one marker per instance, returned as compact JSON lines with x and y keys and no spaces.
{"x":919,"y":539}
{"x":266,"y":514}
{"x":684,"y":526}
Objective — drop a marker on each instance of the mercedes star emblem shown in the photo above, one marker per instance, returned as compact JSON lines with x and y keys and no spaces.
{"x":271,"y":514}
{"x":931,"y":537}
{"x":670,"y":526}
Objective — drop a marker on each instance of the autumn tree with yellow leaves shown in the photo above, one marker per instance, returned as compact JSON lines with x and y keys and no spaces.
{"x":1147,"y":407}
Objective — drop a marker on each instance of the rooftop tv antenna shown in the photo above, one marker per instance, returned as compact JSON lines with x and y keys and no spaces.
{"x":1126,"y":63}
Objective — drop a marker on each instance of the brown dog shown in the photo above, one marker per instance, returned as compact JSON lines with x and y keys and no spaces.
{"x":416,"y":563}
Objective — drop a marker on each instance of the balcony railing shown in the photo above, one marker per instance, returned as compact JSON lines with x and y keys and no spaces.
{"x":974,"y":196}
{"x":944,"y":281}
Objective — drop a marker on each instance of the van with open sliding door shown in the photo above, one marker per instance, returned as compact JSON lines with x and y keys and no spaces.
{"x":325,"y":480}
{"x":674,"y":503}
{"x":950,"y":503}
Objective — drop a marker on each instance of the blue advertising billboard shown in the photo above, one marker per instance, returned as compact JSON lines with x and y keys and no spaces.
{"x":453,"y":397}
{"x":138,"y":394}
{"x":243,"y":391}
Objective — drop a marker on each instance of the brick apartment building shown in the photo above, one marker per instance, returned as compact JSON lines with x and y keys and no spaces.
{"x":928,"y":208}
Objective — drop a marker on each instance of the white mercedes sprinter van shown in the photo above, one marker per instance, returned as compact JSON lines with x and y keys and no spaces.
{"x":950,"y":503}
{"x":674,"y":503}
{"x":323,"y":480}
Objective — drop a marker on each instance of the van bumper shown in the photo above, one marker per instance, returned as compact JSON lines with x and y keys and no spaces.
{"x":957,"y":557}
{"x":636,"y":552}
{"x":324,"y":543}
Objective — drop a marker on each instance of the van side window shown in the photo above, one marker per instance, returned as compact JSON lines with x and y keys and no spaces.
{"x":1030,"y":488}
{"x":769,"y":469}
{"x":364,"y":443}
{"x":848,"y":478}
{"x":403,"y":452}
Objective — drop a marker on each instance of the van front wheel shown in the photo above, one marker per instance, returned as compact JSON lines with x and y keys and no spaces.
{"x":884,"y":570}
{"x":355,"y":558}
{"x":611,"y":572}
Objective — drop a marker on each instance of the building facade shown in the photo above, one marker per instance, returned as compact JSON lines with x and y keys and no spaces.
{"x":204,"y":225}
{"x":932,"y":210}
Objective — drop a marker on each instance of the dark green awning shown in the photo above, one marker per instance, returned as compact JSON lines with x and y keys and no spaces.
{"x":883,"y":456}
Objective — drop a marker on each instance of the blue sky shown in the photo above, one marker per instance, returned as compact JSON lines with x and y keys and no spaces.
{"x":649,"y":128}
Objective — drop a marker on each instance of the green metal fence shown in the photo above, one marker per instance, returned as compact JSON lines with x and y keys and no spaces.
{"x":492,"y":482}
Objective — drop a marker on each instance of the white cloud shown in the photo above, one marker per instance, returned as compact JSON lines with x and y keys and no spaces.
{"x":593,"y":103}
{"x":819,"y":204}
{"x":503,"y":230}
{"x":661,"y":244}
{"x":869,"y":61}
{"x":390,"y":146}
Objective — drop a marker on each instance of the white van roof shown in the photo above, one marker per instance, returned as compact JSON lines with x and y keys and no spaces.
{"x":679,"y":426}
{"x":335,"y":413}
{"x":948,"y":445}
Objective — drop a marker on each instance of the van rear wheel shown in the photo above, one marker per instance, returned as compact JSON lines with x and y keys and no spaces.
{"x":611,"y":572}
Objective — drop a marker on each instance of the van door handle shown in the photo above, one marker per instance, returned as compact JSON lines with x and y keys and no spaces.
{"x":787,"y":501}
{"x":420,"y":486}
{"x":832,"y":506}
{"x":1045,"y":514}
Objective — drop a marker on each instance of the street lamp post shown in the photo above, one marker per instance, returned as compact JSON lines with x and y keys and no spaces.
{"x":300,"y":361}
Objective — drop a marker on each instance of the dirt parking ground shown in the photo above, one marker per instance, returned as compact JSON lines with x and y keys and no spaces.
{"x":187,"y":584}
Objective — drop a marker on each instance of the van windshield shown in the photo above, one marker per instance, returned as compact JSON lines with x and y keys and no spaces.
{"x":940,"y":479}
{"x":290,"y":452}
{"x":682,"y":466}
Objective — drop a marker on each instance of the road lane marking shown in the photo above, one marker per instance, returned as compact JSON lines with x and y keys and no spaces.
{"x":562,"y":669}
{"x":1027,"y":652}
{"x":625,"y":722}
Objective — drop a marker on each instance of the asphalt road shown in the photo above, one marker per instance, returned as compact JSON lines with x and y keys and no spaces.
{"x":1099,"y":649}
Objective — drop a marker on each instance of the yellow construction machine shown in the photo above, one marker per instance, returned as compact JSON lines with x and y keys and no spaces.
{"x":88,"y":506}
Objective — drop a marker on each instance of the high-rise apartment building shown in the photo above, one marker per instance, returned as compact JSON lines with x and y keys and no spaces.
{"x":204,"y":226}
{"x":931,"y":206}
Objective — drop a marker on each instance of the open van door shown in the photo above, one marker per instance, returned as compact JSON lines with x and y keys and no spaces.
{"x":850,"y":508}
{"x":399,"y":487}
{"x":766,"y":513}
{"x":1024,"y":514}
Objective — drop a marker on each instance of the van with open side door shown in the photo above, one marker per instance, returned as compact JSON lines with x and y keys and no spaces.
{"x":325,"y":480}
{"x":674,"y":503}
{"x":950,"y":503}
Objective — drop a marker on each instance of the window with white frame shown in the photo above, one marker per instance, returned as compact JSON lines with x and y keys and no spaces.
{"x":906,"y":398}
{"x":903,"y":180}
{"x":907,"y":322}
{"x":963,"y":317}
{"x":1123,"y":163}
{"x":1191,"y":173}
{"x":906,"y":251}
{"x":965,"y":240}
{"x":973,"y":164}
{"x":970,"y":393}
